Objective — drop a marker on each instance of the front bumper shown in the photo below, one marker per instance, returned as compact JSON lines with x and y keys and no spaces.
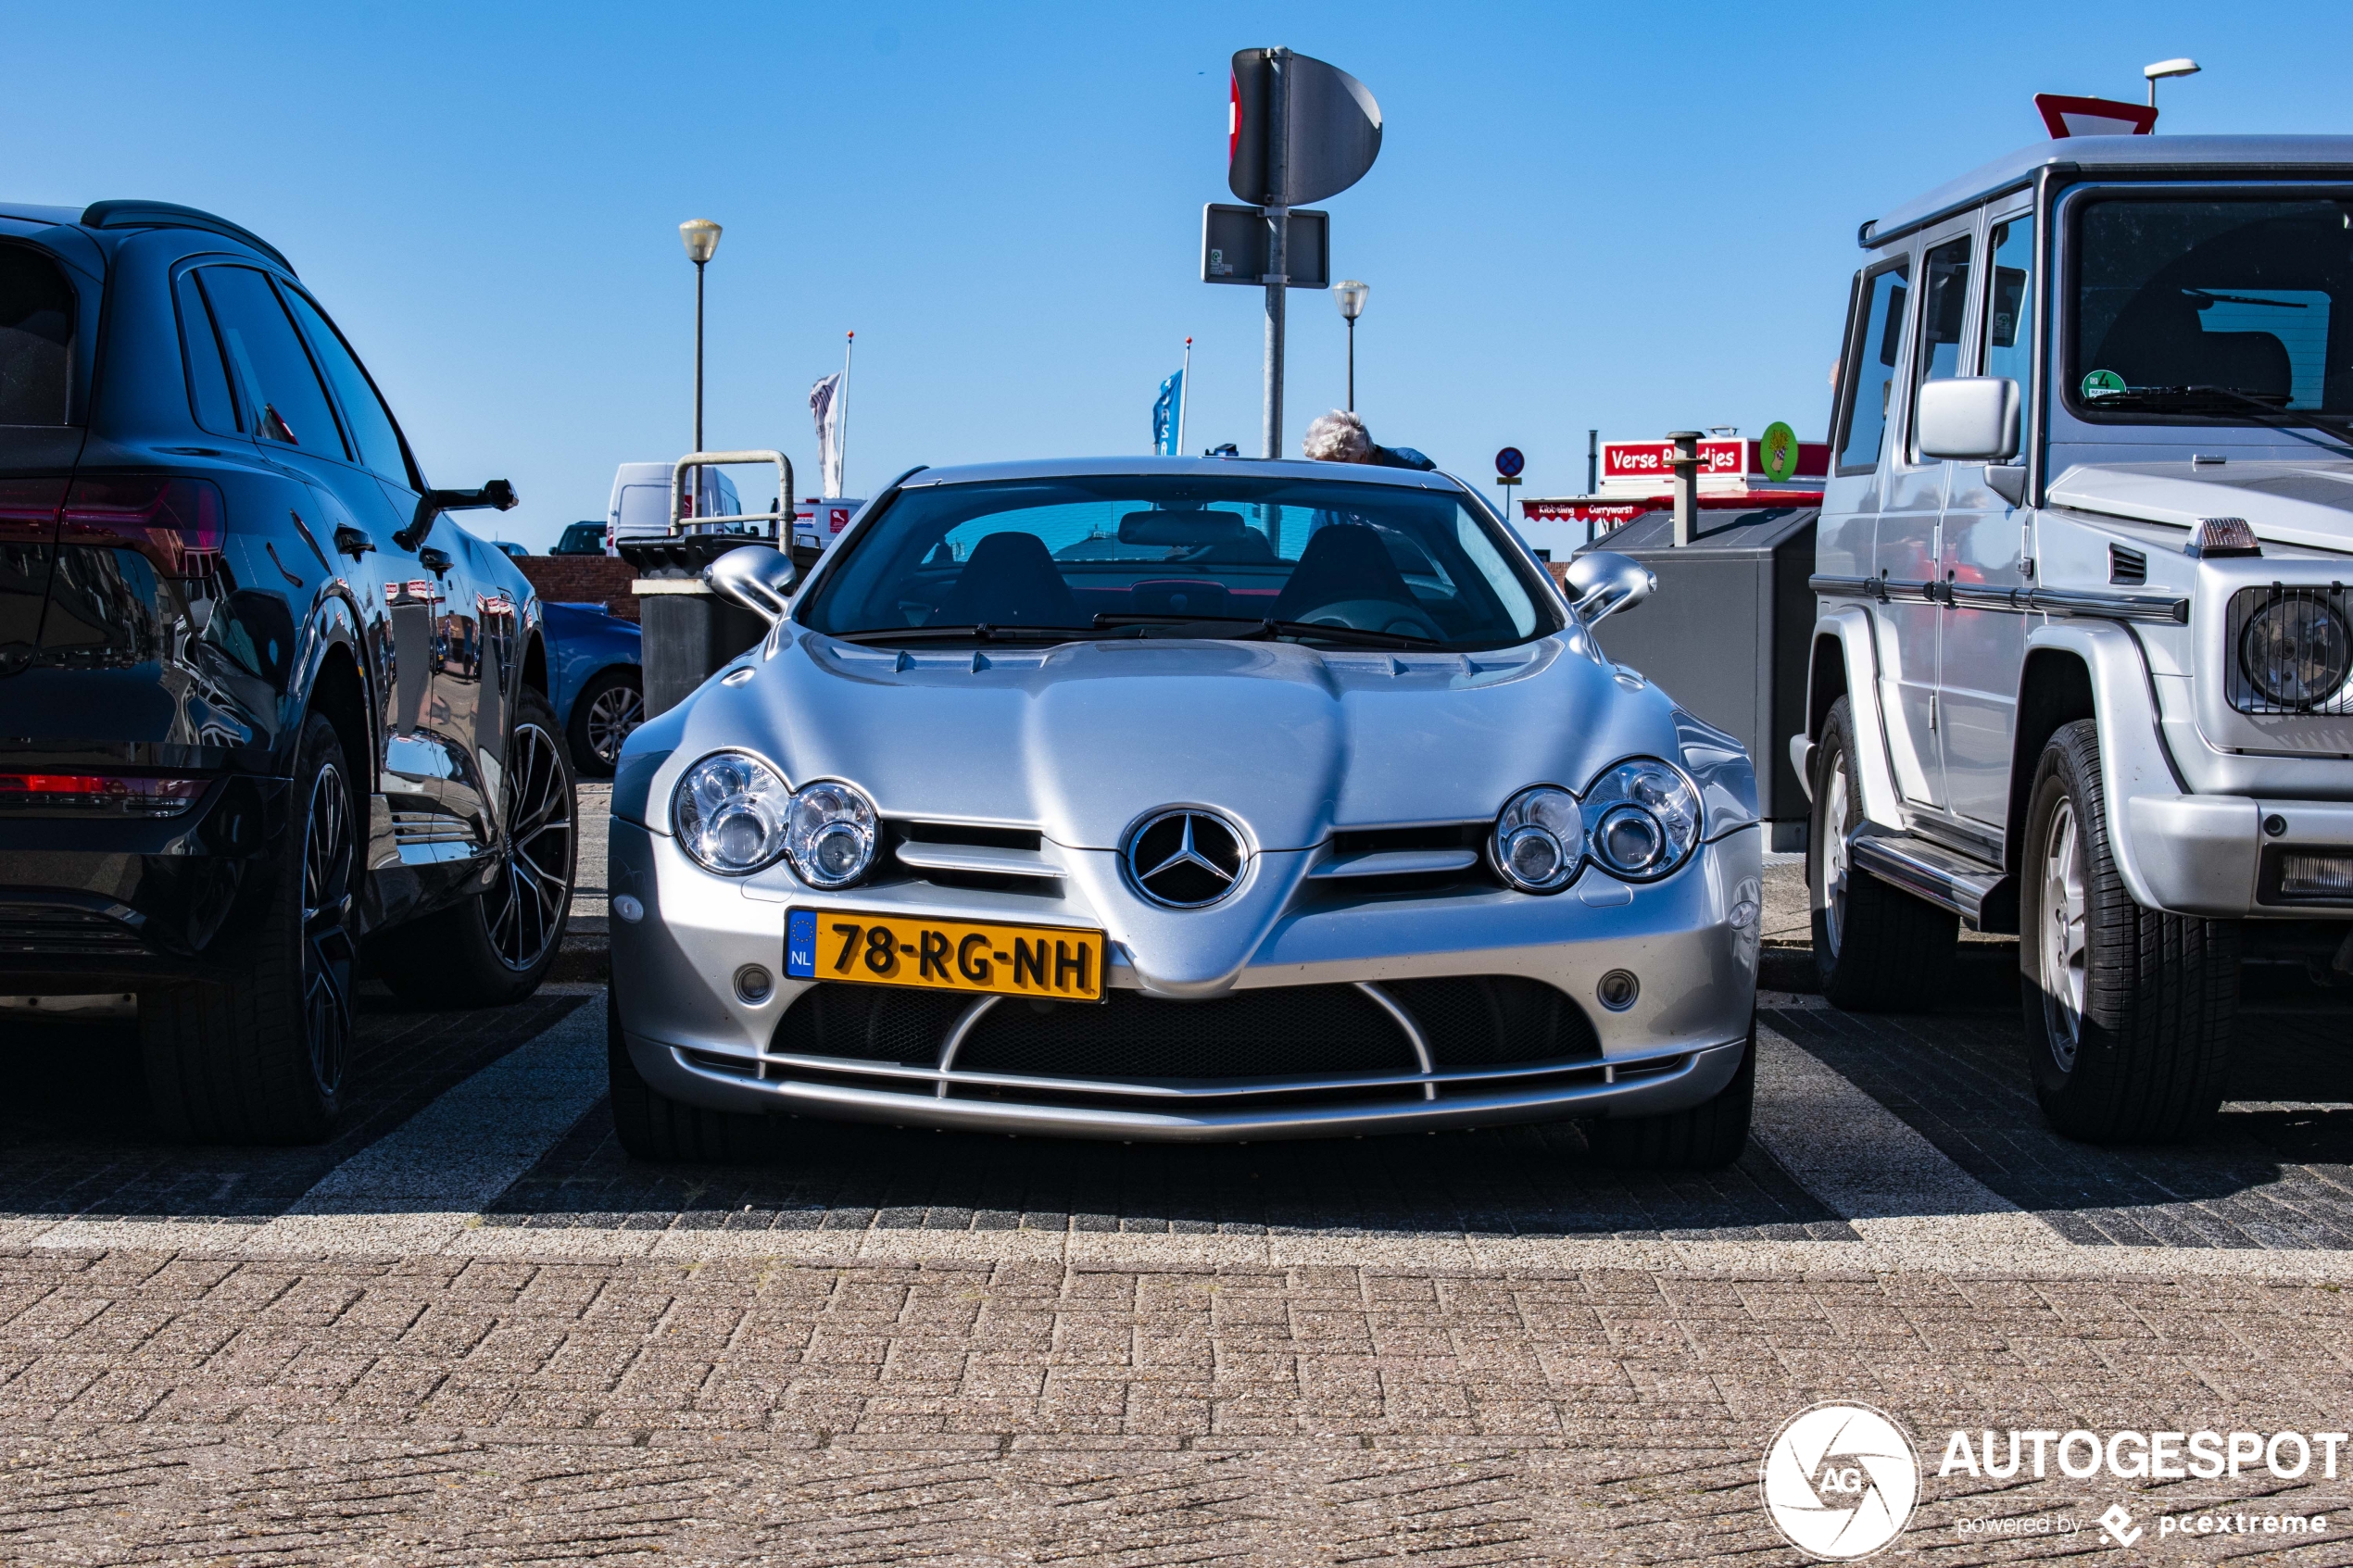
{"x":2219,"y":855}
{"x":1691,"y":941}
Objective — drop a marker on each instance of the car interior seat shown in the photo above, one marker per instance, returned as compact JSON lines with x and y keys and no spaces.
{"x":1345,"y":560}
{"x":1010,"y":580}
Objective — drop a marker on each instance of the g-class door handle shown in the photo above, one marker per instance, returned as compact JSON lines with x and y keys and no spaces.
{"x":433,"y":560}
{"x":351,"y":542}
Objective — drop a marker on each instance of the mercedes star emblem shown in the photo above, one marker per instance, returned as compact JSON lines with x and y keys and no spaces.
{"x":1185,"y":860}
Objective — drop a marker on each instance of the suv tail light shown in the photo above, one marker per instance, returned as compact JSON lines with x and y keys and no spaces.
{"x":101,"y":793}
{"x":177,"y":524}
{"x":29,"y":510}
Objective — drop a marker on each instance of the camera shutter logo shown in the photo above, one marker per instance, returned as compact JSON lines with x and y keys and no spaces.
{"x":1840,"y":1482}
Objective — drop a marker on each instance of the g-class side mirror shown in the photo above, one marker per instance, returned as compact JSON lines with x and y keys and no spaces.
{"x":1601,"y":582}
{"x":1973,"y":418}
{"x":758,"y":577}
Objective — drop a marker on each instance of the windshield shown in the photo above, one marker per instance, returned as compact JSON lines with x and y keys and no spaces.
{"x":2197,"y":306}
{"x":1213,"y":556}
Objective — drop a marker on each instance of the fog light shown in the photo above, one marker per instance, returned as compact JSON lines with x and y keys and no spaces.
{"x":2315,"y":877}
{"x":754,"y":983}
{"x":1617,"y":989}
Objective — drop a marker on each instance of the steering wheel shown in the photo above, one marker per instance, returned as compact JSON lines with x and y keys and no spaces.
{"x":1375,"y":615}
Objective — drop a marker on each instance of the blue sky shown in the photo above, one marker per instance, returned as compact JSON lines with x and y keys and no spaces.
{"x":1618,"y":217}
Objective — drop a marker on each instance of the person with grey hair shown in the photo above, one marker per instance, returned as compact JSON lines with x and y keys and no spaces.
{"x":1340,"y":438}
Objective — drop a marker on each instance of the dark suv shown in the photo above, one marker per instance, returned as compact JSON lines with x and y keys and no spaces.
{"x":259,"y":702}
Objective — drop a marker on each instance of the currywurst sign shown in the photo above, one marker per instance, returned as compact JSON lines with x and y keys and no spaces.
{"x":1331,"y":134}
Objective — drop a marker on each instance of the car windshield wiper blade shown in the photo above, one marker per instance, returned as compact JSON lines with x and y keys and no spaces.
{"x":2215,"y":399}
{"x":978,"y":631}
{"x":1251,"y":628}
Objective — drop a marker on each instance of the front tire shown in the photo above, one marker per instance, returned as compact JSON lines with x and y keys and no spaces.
{"x":494,"y":948}
{"x":1876,"y":948}
{"x":2129,"y":1011}
{"x":1706,"y":1137}
{"x":259,"y":1057}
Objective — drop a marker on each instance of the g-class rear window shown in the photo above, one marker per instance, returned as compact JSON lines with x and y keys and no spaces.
{"x":36,"y":337}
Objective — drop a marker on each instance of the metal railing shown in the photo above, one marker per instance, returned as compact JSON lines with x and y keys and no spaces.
{"x":779,"y":520}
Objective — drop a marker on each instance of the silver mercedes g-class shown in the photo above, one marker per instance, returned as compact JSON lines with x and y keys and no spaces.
{"x":2080,"y":664}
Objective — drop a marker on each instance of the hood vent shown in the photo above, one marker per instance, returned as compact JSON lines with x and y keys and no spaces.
{"x":968,"y":854}
{"x":2127,"y":568}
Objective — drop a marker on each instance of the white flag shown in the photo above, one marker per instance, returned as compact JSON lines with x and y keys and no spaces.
{"x":822,"y":405}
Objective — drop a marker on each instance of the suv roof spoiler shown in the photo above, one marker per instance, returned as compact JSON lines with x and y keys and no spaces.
{"x":126,"y":214}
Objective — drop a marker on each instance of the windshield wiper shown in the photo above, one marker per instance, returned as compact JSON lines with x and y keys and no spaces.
{"x":2215,"y":399}
{"x":1251,"y":628}
{"x":978,"y":631}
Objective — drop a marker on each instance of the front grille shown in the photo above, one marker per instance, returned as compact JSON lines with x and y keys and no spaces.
{"x":52,"y":933}
{"x":868,"y":1023}
{"x":1495,"y":1020}
{"x":2289,"y":650}
{"x":1290,"y":1032}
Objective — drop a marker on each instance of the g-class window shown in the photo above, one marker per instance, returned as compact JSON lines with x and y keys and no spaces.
{"x":1869,"y":367}
{"x":2217,"y":307}
{"x":1944,"y":307}
{"x":36,"y":336}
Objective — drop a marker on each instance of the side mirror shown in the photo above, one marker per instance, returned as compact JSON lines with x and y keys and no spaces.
{"x":758,"y":577}
{"x":497,"y":494}
{"x":1601,"y":582}
{"x":1973,"y":418}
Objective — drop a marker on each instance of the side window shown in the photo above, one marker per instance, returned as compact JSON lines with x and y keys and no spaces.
{"x":278,"y":390}
{"x":1870,"y":368}
{"x":372,"y":428}
{"x":2009,"y":310}
{"x":208,"y":393}
{"x":36,"y":337}
{"x":1943,"y":306}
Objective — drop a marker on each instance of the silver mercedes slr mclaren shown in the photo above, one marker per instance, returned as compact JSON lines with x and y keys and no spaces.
{"x":1186,"y":799}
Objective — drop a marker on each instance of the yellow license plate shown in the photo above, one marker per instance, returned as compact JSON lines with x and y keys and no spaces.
{"x":1054,"y":962}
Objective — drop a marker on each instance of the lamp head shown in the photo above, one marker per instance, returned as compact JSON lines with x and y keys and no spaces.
{"x":1348,"y":295}
{"x":2164,"y":68}
{"x":702,"y":239}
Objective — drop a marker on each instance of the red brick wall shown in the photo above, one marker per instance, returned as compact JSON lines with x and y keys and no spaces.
{"x":584,"y":580}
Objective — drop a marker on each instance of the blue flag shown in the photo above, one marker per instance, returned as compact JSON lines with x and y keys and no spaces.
{"x":1165,"y":407}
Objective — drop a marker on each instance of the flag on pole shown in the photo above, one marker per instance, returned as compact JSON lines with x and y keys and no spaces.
{"x":1164,"y":415}
{"x":822,"y":405}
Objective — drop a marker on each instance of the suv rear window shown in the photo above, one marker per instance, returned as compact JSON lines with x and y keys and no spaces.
{"x":36,"y":331}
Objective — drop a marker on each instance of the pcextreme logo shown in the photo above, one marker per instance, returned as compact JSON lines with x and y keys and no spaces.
{"x":1839,"y":1481}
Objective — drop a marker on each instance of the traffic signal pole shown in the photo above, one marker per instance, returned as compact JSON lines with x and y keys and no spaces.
{"x":1278,"y":276}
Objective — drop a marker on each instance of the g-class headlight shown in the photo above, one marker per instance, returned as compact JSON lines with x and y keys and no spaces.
{"x":2296,"y":651}
{"x":729,"y":813}
{"x":1540,"y":839}
{"x":1642,"y":819}
{"x":830,"y":833}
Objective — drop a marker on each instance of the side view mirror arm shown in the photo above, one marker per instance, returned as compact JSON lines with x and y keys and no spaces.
{"x":758,"y":577}
{"x":1601,"y":582}
{"x":497,"y":495}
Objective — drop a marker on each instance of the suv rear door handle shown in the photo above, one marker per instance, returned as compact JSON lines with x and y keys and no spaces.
{"x":433,"y":560}
{"x":351,"y":542}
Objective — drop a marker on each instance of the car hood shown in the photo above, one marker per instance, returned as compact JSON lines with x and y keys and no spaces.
{"x":1084,"y":740}
{"x":2290,"y":503}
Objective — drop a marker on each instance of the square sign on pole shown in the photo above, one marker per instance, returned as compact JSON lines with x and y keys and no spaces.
{"x":1233,"y":246}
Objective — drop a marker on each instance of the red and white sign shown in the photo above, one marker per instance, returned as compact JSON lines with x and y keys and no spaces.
{"x":1729,"y":465}
{"x":2095,"y":117}
{"x":817,"y":523}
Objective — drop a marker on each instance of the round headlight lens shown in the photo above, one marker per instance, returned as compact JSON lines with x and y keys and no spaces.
{"x":1538,"y":839}
{"x":2296,"y":652}
{"x":831,"y":834}
{"x":729,"y":813}
{"x":1645,"y":817}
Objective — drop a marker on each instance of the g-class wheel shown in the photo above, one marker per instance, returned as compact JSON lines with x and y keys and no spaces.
{"x":2129,"y":1011}
{"x":1876,"y":948}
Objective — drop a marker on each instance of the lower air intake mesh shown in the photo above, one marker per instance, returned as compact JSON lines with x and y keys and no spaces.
{"x":1496,"y":1019}
{"x":1297,"y":1031}
{"x":868,"y":1023}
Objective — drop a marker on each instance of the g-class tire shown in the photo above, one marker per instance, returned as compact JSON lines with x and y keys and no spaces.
{"x":1876,"y":948}
{"x":495,"y":947}
{"x":2129,"y":1011}
{"x":1706,"y":1137}
{"x":654,"y":1127}
{"x":259,"y":1057}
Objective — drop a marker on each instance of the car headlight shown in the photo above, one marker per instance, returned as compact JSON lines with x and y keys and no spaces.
{"x":1642,"y":819}
{"x":2297,"y":651}
{"x":729,"y":811}
{"x":830,"y":833}
{"x":1540,"y":839}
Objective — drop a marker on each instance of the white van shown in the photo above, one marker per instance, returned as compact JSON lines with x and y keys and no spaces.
{"x":640,"y":507}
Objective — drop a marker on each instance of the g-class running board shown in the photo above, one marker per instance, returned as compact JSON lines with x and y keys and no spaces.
{"x":1980,"y":894}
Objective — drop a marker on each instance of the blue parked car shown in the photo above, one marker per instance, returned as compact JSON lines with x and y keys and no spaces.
{"x":600,"y":696}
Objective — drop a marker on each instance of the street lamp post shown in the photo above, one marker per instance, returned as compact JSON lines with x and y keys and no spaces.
{"x":2164,"y":68}
{"x":1348,"y":295}
{"x":702,"y":240}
